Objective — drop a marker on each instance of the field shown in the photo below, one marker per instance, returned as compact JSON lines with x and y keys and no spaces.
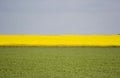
{"x":59,"y":40}
{"x":59,"y":62}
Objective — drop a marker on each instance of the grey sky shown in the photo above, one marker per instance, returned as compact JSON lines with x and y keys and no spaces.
{"x":59,"y":16}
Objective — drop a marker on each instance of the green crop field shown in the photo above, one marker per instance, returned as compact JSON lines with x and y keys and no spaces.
{"x":53,"y":62}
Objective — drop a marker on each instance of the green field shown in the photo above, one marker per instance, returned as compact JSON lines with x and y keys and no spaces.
{"x":41,"y":62}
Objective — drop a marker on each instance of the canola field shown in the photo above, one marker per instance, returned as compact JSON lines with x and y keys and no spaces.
{"x":60,"y":40}
{"x":58,"y":62}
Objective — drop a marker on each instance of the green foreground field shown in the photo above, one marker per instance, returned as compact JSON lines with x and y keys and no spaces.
{"x":58,"y":62}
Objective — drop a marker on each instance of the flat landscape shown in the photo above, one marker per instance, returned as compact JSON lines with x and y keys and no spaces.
{"x":59,"y":62}
{"x":59,"y":40}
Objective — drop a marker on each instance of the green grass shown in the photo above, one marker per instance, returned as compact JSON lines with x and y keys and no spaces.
{"x":39,"y":62}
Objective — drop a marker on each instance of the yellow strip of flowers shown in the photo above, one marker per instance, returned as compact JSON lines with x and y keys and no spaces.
{"x":59,"y":40}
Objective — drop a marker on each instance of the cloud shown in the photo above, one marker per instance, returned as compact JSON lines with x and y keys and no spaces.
{"x":60,"y":23}
{"x":59,"y":16}
{"x":59,"y":5}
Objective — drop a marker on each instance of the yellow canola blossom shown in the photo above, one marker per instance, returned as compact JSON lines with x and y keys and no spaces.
{"x":60,"y":40}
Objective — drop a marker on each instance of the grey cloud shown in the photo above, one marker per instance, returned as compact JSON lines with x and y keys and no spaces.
{"x":35,"y":5}
{"x":59,"y":17}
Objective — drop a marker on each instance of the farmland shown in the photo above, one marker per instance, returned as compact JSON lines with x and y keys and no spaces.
{"x":59,"y":40}
{"x":59,"y":62}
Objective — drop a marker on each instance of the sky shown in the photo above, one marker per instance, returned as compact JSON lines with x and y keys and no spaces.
{"x":59,"y":17}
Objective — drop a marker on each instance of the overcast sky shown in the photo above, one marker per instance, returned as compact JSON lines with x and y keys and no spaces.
{"x":59,"y":17}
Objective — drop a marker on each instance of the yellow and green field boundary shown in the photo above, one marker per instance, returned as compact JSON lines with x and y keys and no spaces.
{"x":59,"y":40}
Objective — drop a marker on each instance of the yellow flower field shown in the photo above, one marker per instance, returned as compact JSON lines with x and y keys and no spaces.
{"x":60,"y":40}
